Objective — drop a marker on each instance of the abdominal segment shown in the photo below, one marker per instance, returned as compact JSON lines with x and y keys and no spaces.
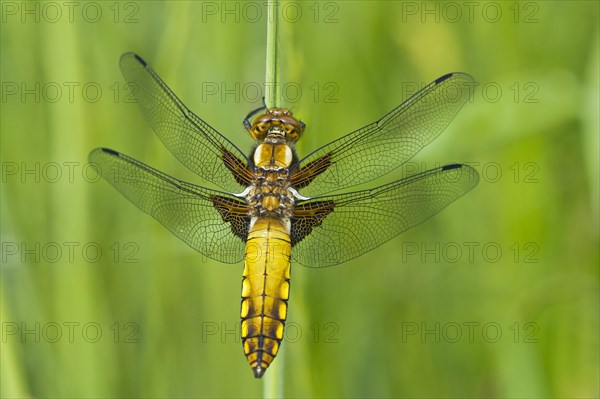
{"x":265,"y":291}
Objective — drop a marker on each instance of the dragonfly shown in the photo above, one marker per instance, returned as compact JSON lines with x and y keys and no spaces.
{"x":271,"y":208}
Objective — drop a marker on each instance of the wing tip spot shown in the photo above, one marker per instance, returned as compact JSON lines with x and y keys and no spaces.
{"x":444,"y":77}
{"x":109,"y":151}
{"x":140,"y":59}
{"x":452,"y":166}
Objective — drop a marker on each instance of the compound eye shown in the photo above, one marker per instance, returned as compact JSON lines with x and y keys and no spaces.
{"x":258,"y":131}
{"x":292,"y":133}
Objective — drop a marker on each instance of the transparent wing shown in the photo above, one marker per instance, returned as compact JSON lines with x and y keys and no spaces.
{"x":196,"y":144}
{"x":212,"y":222}
{"x":333,"y":229}
{"x":376,"y":149}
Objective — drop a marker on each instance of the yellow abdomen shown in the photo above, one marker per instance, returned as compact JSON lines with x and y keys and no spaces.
{"x":265,"y":291}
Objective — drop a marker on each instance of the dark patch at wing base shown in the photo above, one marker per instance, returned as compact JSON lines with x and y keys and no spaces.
{"x":235,"y":213}
{"x":242,"y":172}
{"x":194,"y":142}
{"x":330,"y":230}
{"x":304,"y":176}
{"x":382,"y":146}
{"x":308,"y":216}
{"x":193,"y":213}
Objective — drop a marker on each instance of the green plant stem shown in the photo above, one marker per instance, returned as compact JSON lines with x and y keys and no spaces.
{"x":273,"y":378}
{"x":272,"y":86}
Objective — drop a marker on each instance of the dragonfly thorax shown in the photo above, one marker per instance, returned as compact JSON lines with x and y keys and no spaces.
{"x":270,"y":194}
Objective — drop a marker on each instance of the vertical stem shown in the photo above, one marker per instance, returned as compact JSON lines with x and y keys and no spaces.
{"x":273,"y":378}
{"x":272,"y":86}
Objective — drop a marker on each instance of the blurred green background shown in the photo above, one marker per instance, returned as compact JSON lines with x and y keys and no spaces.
{"x":497,"y":296}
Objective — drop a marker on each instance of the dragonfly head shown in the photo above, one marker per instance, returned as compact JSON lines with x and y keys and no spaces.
{"x":276,"y":121}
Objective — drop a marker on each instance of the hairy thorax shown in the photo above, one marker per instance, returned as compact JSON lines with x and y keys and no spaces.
{"x":271,"y":194}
